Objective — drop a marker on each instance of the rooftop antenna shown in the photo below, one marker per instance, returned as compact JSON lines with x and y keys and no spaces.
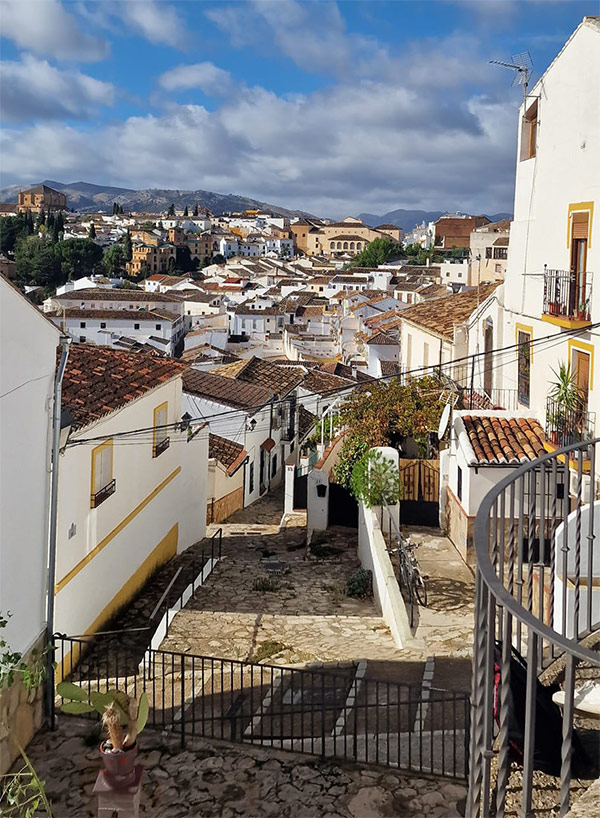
{"x":522,"y":65}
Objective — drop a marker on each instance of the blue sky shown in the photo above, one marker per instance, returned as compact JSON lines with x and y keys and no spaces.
{"x":335,"y":108}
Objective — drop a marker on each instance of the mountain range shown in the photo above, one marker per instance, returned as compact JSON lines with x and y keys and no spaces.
{"x":85,"y":197}
{"x":407,"y":219}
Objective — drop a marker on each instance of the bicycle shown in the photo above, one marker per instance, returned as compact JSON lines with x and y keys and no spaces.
{"x":410,"y":577}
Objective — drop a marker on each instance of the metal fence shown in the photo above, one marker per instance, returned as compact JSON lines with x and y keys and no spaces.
{"x":541,"y":602}
{"x":338,"y":713}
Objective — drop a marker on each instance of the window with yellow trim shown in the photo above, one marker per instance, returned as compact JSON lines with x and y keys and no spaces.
{"x":161,"y":439}
{"x":103,"y":484}
{"x":524,"y":367}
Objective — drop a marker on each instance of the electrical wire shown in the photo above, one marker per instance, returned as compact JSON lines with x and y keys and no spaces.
{"x":552,"y":340}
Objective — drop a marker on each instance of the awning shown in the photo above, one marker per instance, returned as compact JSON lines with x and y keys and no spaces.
{"x":268,"y":444}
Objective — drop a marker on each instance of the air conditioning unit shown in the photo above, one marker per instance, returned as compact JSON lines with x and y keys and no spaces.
{"x":585,"y":485}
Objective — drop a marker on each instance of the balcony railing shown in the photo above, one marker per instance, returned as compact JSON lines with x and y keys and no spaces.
{"x":567,"y":294}
{"x":161,"y":446}
{"x":103,"y":494}
{"x":534,"y":615}
{"x":566,"y":426}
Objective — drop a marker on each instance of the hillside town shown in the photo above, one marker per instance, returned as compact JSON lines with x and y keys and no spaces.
{"x":357,"y":460}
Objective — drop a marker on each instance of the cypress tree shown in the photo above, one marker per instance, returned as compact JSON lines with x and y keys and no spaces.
{"x":92,"y":231}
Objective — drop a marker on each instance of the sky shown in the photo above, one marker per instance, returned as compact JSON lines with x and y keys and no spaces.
{"x":335,"y":108}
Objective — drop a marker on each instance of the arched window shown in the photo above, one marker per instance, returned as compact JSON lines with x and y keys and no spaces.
{"x":332,"y":245}
{"x":358,"y":245}
{"x":345,"y":245}
{"x":339,"y":245}
{"x":352,"y":245}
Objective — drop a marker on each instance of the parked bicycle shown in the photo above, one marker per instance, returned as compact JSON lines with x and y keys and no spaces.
{"x":411,"y":579}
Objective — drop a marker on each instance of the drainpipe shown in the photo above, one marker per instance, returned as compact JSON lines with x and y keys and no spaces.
{"x":65,"y":342}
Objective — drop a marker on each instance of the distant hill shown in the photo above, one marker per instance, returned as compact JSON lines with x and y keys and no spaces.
{"x":86,"y":197}
{"x":407,"y":219}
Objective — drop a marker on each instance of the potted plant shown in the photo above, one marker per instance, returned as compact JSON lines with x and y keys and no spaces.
{"x":123,"y":717}
{"x":568,"y":404}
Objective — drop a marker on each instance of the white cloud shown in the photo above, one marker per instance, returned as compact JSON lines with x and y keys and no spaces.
{"x":46,"y":28}
{"x":33,"y":89}
{"x":361,"y":147}
{"x":158,"y":22}
{"x":210,"y":79}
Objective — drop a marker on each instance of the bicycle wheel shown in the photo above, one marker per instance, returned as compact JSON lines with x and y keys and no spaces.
{"x":420,"y":589}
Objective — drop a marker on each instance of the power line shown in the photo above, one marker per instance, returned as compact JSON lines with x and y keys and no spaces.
{"x":553,"y":339}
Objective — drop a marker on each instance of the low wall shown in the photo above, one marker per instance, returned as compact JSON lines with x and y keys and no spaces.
{"x":224,"y":507}
{"x":373,"y":557}
{"x":459,"y":527}
{"x":20,"y":716}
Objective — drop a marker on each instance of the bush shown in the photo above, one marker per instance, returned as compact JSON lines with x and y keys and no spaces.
{"x":375,"y":480}
{"x":265,"y":584}
{"x":359,"y":585}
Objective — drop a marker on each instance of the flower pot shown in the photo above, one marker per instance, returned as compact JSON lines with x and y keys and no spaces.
{"x":119,"y":765}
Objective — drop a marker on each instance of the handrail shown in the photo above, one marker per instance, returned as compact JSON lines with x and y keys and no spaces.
{"x":486,"y":568}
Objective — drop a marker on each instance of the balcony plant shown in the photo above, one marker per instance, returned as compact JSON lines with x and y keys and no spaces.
{"x":123,"y":717}
{"x":567,"y":404}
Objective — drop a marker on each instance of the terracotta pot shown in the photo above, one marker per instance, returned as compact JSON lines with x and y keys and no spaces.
{"x":119,"y":764}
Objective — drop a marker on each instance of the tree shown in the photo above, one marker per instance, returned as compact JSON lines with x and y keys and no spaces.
{"x":185,"y":212}
{"x":60,"y":223}
{"x":184,"y":260}
{"x":219,"y":258}
{"x":385,"y":415}
{"x":79,"y":257}
{"x":12,"y":228}
{"x":195,"y":213}
{"x":171,"y":210}
{"x":127,"y":246}
{"x":375,"y":480}
{"x":41,"y":219}
{"x":92,"y":231}
{"x":55,"y":233}
{"x":114,"y":261}
{"x":377,"y":252}
{"x":38,"y":261}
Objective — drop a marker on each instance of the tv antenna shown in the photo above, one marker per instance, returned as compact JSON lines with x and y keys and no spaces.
{"x":522,"y":66}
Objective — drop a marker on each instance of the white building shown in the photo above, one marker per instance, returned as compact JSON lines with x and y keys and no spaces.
{"x":555,"y":237}
{"x":28,"y":343}
{"x":127,"y":503}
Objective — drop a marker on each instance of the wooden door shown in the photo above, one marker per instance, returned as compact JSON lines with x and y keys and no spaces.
{"x":430,"y":480}
{"x":581,"y":370}
{"x":409,"y":479}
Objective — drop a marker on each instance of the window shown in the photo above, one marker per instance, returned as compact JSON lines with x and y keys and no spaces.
{"x":136,"y":326}
{"x":102,"y":324}
{"x":529,"y":132}
{"x":459,"y":482}
{"x":251,"y":479}
{"x":488,"y":252}
{"x":332,"y":245}
{"x":82,"y":339}
{"x":160,"y":438}
{"x":274,"y":465}
{"x":501,"y":252}
{"x":352,"y":245}
{"x":103,"y":484}
{"x":345,"y":245}
{"x":82,"y":324}
{"x":524,"y":366}
{"x":358,"y":245}
{"x":157,"y":326}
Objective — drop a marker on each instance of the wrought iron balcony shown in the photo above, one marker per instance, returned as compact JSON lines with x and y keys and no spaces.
{"x":537,"y":620}
{"x":567,"y":295}
{"x":103,"y":494}
{"x":566,"y":426}
{"x":161,"y":446}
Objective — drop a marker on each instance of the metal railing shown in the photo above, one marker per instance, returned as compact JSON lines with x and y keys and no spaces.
{"x":339,"y":713}
{"x":566,"y":426}
{"x":567,"y":294}
{"x":104,"y":493}
{"x":161,"y":446}
{"x":495,"y":399}
{"x":537,"y":562}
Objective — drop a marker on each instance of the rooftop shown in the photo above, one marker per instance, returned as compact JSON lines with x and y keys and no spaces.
{"x":278,"y":379}
{"x":499,"y":440}
{"x":99,"y":380}
{"x":439,"y":315}
{"x":232,"y":455}
{"x":93,"y":294}
{"x":219,"y":389}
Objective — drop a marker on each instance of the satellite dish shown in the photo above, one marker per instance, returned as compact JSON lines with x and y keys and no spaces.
{"x":444,"y":421}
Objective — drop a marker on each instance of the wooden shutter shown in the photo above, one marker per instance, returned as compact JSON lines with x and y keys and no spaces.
{"x":580,"y":225}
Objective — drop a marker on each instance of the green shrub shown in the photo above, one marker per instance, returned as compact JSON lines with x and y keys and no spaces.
{"x":359,"y":585}
{"x":376,"y":480}
{"x":265,"y":584}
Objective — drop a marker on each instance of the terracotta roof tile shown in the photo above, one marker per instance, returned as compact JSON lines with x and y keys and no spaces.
{"x":97,"y":294}
{"x":227,"y":452}
{"x":441,"y":314}
{"x":98,"y":380}
{"x":229,"y":391}
{"x":306,"y":421}
{"x":278,"y":379}
{"x":504,"y":440}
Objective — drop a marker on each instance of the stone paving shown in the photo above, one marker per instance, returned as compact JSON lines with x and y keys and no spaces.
{"x":218,"y":780}
{"x":306,"y":611}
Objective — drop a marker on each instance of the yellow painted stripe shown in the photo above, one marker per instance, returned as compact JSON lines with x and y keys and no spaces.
{"x":104,"y":542}
{"x":165,"y":550}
